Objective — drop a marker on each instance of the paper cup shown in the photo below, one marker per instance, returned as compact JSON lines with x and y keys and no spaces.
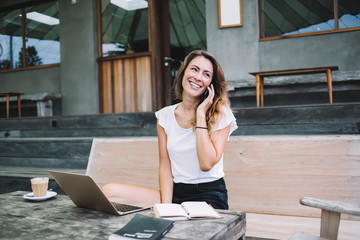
{"x":39,"y":186}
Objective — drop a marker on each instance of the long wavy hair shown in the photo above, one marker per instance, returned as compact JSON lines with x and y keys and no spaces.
{"x":218,"y":80}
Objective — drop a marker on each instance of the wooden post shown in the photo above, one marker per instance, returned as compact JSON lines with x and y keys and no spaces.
{"x":329,"y":224}
{"x":19,"y":105}
{"x":7,"y":105}
{"x":329,"y":81}
{"x":257,"y":90}
{"x":262,"y":90}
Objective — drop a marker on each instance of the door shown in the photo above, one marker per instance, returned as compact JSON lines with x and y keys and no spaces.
{"x":186,"y":32}
{"x":142,"y":80}
{"x":178,"y":27}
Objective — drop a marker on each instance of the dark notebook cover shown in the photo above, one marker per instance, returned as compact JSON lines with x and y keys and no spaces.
{"x":143,"y":227}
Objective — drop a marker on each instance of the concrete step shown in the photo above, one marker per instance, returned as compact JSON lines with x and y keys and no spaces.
{"x":127,"y":124}
{"x":301,"y":120}
{"x":45,"y":152}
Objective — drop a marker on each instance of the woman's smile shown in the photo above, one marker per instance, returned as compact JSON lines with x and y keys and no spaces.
{"x":196,"y":86}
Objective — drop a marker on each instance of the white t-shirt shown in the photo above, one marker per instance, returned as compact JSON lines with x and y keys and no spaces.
{"x":181,"y":147}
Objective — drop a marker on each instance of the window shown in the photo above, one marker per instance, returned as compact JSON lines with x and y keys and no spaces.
{"x":298,"y":17}
{"x":124,"y":27}
{"x":30,"y":36}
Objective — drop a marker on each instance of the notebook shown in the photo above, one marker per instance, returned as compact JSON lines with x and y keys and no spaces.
{"x":84,"y":192}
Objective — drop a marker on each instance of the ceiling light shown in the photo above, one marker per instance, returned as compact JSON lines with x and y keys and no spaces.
{"x":130,"y":5}
{"x":39,"y":17}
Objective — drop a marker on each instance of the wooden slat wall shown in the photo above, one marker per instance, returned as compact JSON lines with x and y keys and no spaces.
{"x":264,"y":174}
{"x":127,"y":85}
{"x":269,"y":174}
{"x":125,"y":160}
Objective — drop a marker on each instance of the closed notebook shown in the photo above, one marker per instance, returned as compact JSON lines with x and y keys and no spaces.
{"x":143,"y":227}
{"x":185,"y":211}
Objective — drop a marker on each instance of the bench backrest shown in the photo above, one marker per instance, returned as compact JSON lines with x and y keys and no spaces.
{"x":264,"y":174}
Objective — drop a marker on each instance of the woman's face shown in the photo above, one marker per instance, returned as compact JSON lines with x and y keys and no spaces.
{"x":197,"y":77}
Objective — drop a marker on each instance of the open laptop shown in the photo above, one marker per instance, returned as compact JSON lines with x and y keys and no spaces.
{"x":84,"y":192}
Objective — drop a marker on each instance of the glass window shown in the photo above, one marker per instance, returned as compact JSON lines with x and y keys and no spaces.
{"x":187,"y":25}
{"x":10,"y":39}
{"x":349,"y":13}
{"x":42,"y":41}
{"x":42,"y":34}
{"x":124,"y":27}
{"x":288,"y":17}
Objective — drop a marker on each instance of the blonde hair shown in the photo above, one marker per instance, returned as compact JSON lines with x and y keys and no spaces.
{"x":218,"y":80}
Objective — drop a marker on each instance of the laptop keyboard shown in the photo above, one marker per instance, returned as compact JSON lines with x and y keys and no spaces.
{"x":123,"y":207}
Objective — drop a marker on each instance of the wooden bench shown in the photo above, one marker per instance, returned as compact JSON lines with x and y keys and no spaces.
{"x":289,"y":72}
{"x":8,"y":95}
{"x":265,"y":176}
{"x":330,"y":217}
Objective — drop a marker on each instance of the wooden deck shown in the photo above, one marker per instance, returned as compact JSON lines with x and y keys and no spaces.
{"x":267,"y":226}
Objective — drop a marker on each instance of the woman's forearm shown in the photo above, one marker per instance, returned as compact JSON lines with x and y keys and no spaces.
{"x":209,"y":149}
{"x":206,"y":151}
{"x":166,"y":185}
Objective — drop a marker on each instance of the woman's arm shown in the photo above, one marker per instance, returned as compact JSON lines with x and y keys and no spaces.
{"x":209,"y":148}
{"x":165,"y":174}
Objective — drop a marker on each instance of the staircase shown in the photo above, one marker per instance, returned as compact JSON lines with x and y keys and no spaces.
{"x":29,"y":146}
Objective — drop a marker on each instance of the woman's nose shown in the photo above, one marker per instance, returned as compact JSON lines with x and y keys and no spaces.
{"x":198,"y":76}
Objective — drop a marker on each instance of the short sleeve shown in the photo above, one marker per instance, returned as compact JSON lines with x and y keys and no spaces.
{"x":161,"y":116}
{"x":164,"y":115}
{"x":227,"y":117}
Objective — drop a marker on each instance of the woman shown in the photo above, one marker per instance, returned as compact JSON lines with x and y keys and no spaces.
{"x":192,"y":136}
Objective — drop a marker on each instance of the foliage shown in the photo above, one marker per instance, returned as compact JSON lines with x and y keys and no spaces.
{"x":32,"y":57}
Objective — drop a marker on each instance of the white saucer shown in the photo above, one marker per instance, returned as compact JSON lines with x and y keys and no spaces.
{"x":49,"y":194}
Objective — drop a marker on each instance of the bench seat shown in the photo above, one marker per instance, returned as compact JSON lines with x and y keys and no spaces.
{"x":265,"y":175}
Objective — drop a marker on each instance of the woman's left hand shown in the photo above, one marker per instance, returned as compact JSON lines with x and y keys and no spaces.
{"x":205,"y":105}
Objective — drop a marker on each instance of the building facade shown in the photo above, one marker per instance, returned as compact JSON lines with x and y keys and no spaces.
{"x":91,"y":82}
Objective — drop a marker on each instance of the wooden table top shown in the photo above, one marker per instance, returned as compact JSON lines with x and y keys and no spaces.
{"x":59,"y":218}
{"x":4,"y":94}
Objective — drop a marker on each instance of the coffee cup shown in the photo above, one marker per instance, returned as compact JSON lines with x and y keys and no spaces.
{"x":39,"y":186}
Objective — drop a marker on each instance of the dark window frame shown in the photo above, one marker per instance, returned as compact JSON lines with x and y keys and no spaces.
{"x":23,"y":21}
{"x":100,"y":41}
{"x":335,"y":30}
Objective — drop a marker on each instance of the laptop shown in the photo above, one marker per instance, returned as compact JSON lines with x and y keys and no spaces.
{"x":85,"y":193}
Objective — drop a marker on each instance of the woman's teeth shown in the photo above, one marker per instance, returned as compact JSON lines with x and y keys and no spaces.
{"x":194,"y":85}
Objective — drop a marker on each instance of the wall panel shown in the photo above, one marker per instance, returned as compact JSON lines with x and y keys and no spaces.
{"x":126,"y":84}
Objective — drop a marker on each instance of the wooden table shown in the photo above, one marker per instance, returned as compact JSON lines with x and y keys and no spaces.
{"x":59,"y":218}
{"x":8,"y":95}
{"x":288,"y":72}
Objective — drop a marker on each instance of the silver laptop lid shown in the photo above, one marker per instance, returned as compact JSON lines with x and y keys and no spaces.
{"x":84,"y":192}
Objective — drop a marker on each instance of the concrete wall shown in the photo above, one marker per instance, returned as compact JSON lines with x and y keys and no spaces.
{"x":78,"y":57}
{"x":240,"y":52}
{"x":236,"y":48}
{"x":31,"y":81}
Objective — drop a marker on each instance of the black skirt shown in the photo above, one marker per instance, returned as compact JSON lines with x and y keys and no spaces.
{"x":214,"y":193}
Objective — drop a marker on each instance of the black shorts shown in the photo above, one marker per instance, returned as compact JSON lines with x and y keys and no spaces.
{"x":214,"y":193}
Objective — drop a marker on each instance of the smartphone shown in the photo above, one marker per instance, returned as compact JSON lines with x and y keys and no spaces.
{"x":205,"y":94}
